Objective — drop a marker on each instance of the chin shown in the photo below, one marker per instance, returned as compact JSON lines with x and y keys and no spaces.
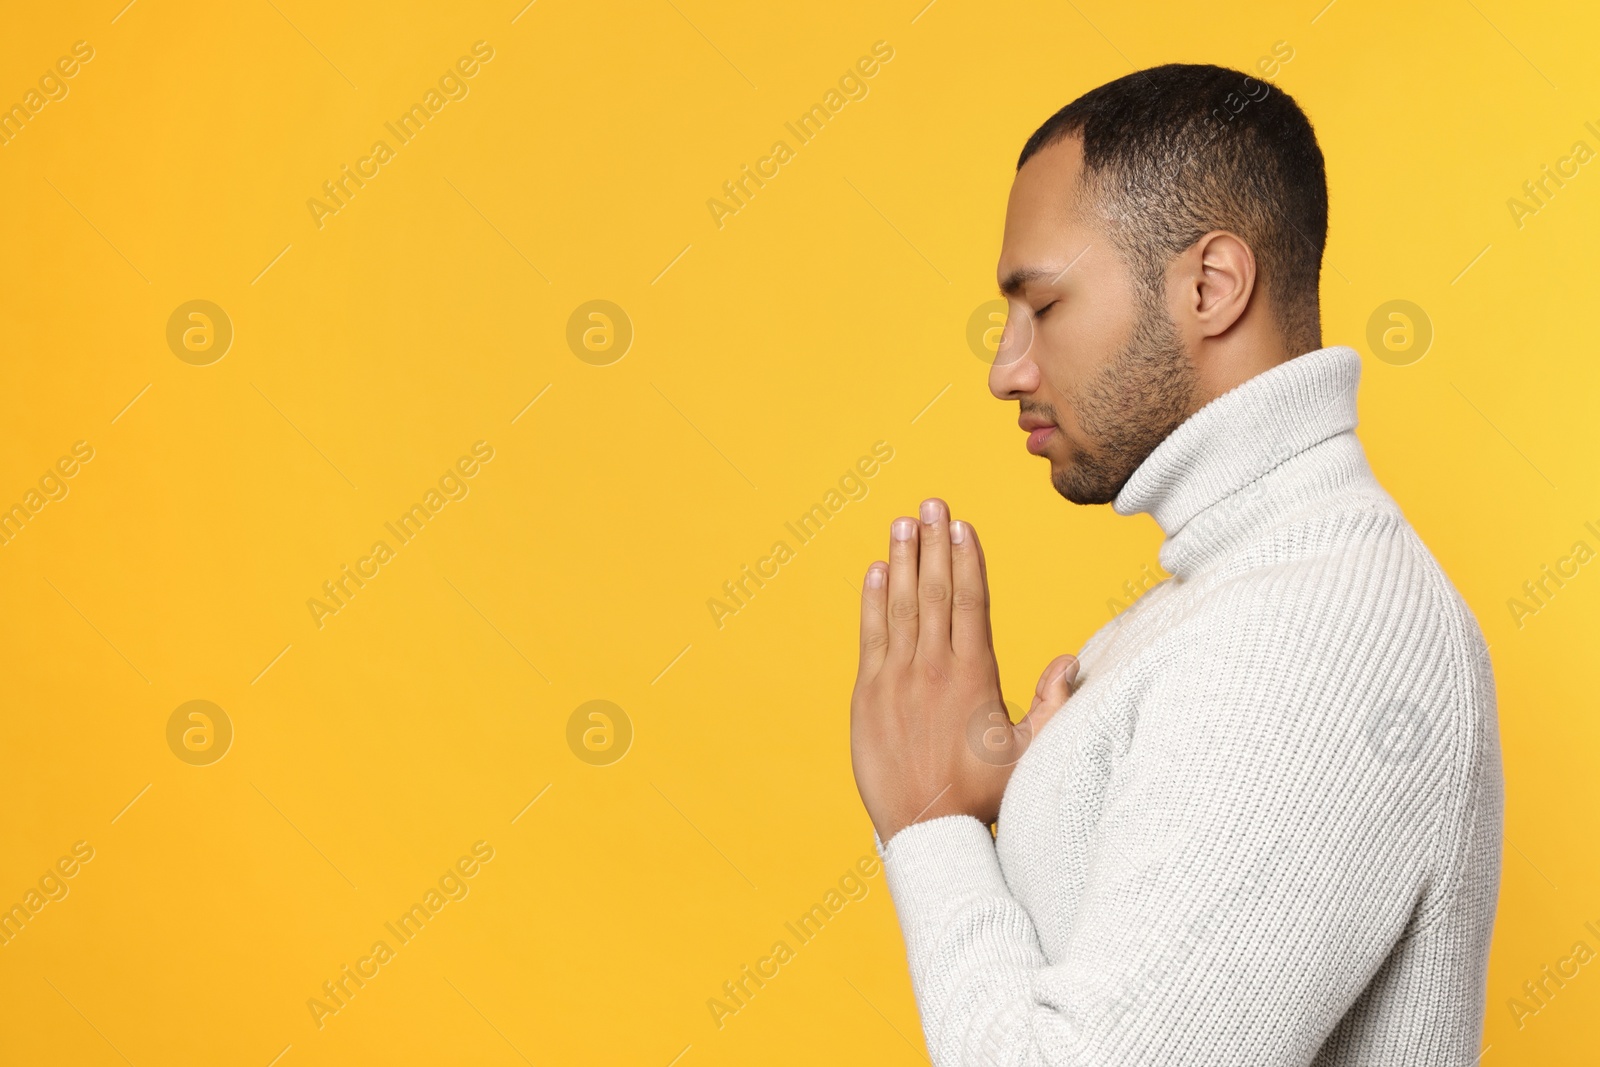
{"x":1081,"y":484}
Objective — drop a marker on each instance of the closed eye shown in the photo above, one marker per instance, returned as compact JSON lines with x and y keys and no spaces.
{"x":1040,"y":313}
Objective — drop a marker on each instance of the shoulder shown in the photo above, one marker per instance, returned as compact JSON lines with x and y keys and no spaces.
{"x":1353,"y":585}
{"x":1336,"y":629}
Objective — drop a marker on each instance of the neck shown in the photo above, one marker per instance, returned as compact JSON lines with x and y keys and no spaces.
{"x":1251,"y":346}
{"x":1268,"y":448}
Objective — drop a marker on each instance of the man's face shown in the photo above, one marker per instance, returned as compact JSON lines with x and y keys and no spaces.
{"x":1093,"y":359}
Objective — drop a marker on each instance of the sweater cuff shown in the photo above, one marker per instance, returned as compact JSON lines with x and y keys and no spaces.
{"x":934,"y":867}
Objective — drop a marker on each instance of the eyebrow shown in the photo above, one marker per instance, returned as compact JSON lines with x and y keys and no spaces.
{"x":1017,"y":279}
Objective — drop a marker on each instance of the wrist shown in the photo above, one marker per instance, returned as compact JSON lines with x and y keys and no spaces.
{"x":942,"y":806}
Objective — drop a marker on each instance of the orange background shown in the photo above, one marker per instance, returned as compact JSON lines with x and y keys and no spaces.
{"x":369,"y":754}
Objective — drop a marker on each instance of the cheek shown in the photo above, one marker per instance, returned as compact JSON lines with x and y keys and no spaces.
{"x":1103,"y":329}
{"x":1080,"y":347}
{"x":1107,"y":306}
{"x":1068,"y":353}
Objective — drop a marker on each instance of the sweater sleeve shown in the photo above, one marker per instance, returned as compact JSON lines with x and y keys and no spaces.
{"x":1260,"y":846}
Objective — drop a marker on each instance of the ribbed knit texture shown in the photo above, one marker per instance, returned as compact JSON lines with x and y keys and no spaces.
{"x":1266,"y":827}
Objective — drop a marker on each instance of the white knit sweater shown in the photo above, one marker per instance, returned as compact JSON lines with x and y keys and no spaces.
{"x":1266,"y":827}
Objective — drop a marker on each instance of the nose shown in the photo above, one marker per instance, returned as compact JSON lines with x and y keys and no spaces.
{"x":1014,"y":373}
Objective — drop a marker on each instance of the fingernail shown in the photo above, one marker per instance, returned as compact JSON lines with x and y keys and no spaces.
{"x":930,"y":511}
{"x":902,"y":529}
{"x":874,"y":577}
{"x":958,"y":532}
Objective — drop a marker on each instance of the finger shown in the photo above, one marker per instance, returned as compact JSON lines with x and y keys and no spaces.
{"x":1049,"y":677}
{"x":969,"y":597}
{"x":933,"y":577}
{"x":983,"y":580}
{"x":1055,"y":688}
{"x":874,"y":622}
{"x":902,"y":590}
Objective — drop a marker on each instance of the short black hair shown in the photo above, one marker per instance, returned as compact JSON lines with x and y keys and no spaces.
{"x":1178,"y":150}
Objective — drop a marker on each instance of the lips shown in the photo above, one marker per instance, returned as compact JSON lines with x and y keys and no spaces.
{"x":1040,"y":432}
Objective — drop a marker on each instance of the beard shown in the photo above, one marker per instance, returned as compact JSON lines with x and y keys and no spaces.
{"x":1129,"y":407}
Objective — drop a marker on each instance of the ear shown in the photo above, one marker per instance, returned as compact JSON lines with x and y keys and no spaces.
{"x":1223,"y":284}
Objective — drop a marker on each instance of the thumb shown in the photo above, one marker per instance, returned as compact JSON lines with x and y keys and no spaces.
{"x":1055,"y":686}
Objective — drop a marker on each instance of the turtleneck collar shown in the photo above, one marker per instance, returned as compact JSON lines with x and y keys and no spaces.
{"x":1213,"y":478}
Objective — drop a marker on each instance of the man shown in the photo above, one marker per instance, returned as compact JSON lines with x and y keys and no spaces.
{"x":1265,"y":829}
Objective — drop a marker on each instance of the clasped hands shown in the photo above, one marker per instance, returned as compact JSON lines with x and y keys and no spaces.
{"x":929,"y":731}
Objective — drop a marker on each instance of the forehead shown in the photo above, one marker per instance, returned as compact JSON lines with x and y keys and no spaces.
{"x":1044,"y":216}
